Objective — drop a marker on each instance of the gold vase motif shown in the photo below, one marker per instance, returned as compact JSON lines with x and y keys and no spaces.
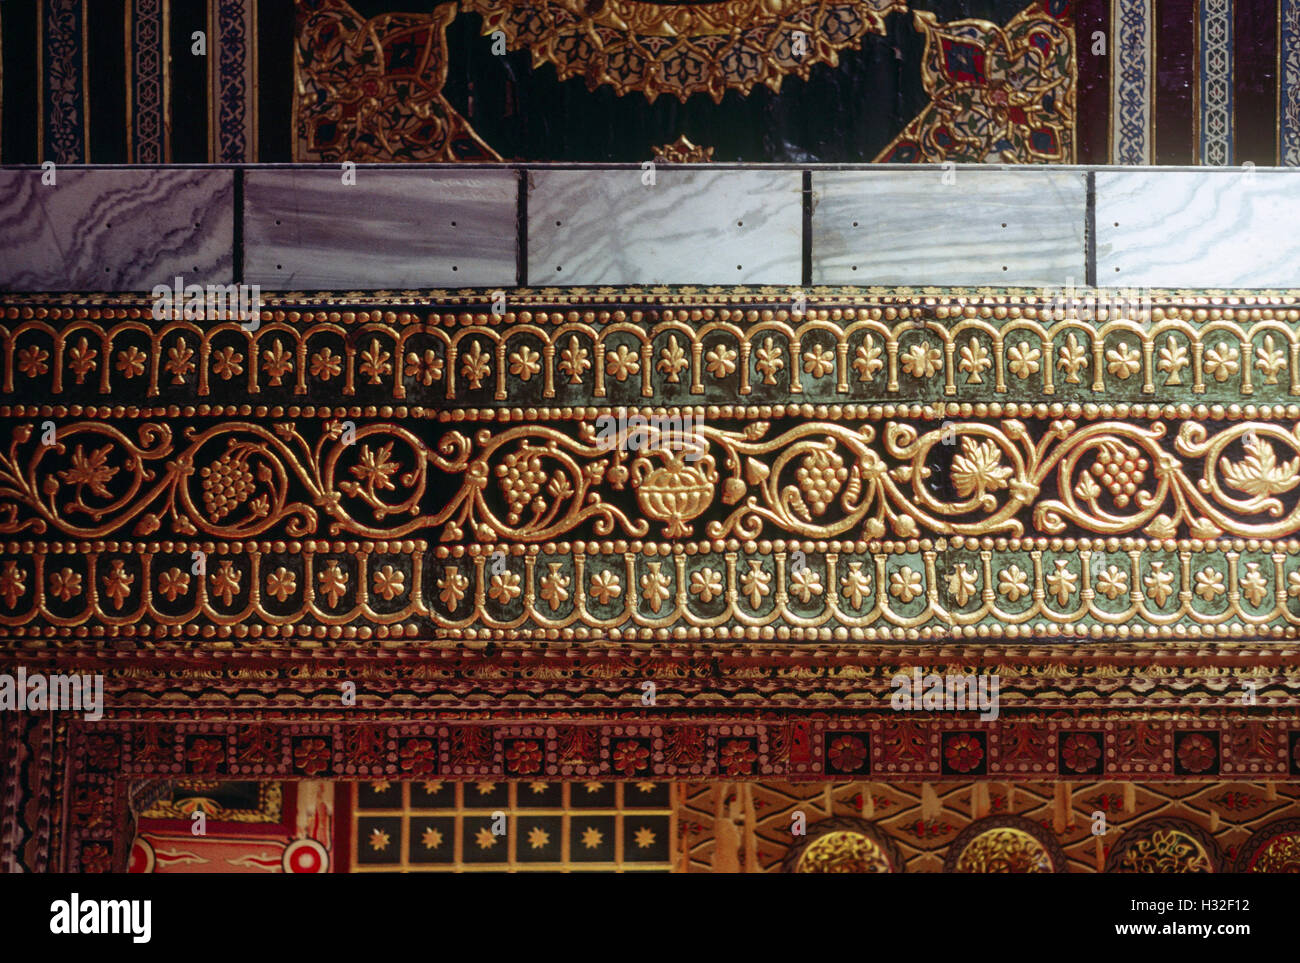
{"x":676,"y":492}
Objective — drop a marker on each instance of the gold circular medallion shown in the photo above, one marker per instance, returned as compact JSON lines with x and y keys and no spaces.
{"x":843,"y":852}
{"x":1004,"y":850}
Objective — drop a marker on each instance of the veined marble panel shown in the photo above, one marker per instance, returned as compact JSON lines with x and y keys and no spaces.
{"x":688,"y":227}
{"x":1214,"y":229}
{"x":115,"y":230}
{"x":306,"y":229}
{"x":954,"y":226}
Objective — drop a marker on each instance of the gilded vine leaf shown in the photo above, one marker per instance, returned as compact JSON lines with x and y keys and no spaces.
{"x":1259,"y":473}
{"x":979,"y":469}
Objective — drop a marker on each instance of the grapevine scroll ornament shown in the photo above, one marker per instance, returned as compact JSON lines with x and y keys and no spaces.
{"x":532,"y":483}
{"x":826,"y":479}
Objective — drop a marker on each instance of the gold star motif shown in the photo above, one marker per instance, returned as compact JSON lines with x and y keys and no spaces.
{"x":485,"y":839}
{"x":382,"y":785}
{"x":595,"y":786}
{"x":378,"y":840}
{"x":645,"y":786}
{"x":432,"y":838}
{"x":645,"y":838}
{"x":432,"y":787}
{"x":538,"y":838}
{"x":538,"y":787}
{"x":486,"y":787}
{"x":591,"y":837}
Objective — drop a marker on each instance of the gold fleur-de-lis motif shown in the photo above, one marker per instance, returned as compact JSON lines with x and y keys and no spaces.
{"x":1254,"y":586}
{"x":974,"y":359}
{"x":769,"y":361}
{"x":672,"y":360}
{"x":867,"y":360}
{"x":1072,"y":359}
{"x":855,"y":584}
{"x":374,"y":362}
{"x":1159,"y":584}
{"x":277,"y":362}
{"x":654,"y":586}
{"x":333,"y":582}
{"x":962,"y":583}
{"x":180,"y":361}
{"x":81,"y":359}
{"x":13,"y":583}
{"x":225,"y":581}
{"x":573,"y":360}
{"x":1172,"y":358}
{"x":555,"y":586}
{"x":1061,"y":581}
{"x":451,"y":587}
{"x":1270,"y":360}
{"x":754,"y":583}
{"x":475,"y":365}
{"x":117,"y":583}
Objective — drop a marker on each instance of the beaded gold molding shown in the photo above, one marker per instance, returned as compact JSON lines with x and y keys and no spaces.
{"x":922,"y":589}
{"x":926,"y":350}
